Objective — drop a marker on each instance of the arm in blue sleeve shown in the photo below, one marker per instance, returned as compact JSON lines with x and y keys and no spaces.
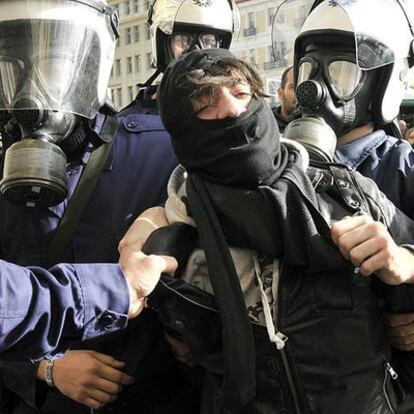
{"x":42,"y":311}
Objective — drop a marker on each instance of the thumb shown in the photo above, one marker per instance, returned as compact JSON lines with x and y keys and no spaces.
{"x":167,"y":264}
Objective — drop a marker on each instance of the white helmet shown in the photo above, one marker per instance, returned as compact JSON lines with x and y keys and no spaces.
{"x":383,"y":37}
{"x":194,"y":18}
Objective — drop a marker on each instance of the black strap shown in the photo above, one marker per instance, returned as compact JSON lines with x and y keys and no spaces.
{"x":82,"y":193}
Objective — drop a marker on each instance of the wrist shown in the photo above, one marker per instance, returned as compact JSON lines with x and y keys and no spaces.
{"x":41,"y":374}
{"x":136,"y":305}
{"x":407,"y":261}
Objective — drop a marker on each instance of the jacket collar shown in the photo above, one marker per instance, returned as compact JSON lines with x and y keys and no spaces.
{"x":354,"y":153}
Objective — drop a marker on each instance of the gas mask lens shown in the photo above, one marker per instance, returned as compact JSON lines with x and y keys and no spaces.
{"x":55,"y":73}
{"x":343,"y":76}
{"x":184,"y":42}
{"x":306,"y":70}
{"x":10,"y":74}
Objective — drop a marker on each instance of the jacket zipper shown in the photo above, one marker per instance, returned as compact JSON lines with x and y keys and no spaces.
{"x":389,"y":371}
{"x":283,"y":354}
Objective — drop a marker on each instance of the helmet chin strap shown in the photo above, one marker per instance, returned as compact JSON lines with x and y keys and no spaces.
{"x":151,"y":79}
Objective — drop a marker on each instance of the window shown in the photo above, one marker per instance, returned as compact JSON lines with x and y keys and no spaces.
{"x":129,"y":64}
{"x":250,"y":19}
{"x":135,"y":6}
{"x":118,"y":67}
{"x":118,"y":100}
{"x":147,"y":31}
{"x":137,"y":63}
{"x":136,"y":34}
{"x":252,"y":56}
{"x":149,"y":60}
{"x":270,"y":15}
{"x":269,"y":53}
{"x":147,"y":4}
{"x":130,"y":93}
{"x":128,"y":36}
{"x":272,"y":87}
{"x":128,"y":7}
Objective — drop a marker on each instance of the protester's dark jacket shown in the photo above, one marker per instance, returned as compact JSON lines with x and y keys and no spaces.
{"x":245,"y":189}
{"x":133,"y":179}
{"x":337,"y":356}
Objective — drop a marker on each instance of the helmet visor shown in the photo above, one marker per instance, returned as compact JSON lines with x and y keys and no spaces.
{"x":63,"y":63}
{"x":382,"y":32}
{"x":215,"y":14}
{"x":287,"y":22}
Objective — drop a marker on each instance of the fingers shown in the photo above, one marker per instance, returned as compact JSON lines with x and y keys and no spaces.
{"x":114,"y":375}
{"x":346,"y":225}
{"x":94,"y":404}
{"x":398,"y":319}
{"x":400,"y":330}
{"x":142,"y":227}
{"x":108,"y":360}
{"x":90,"y":377}
{"x":170,"y":264}
{"x":402,"y":337}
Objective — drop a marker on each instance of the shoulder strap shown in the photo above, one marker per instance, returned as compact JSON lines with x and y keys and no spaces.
{"x":82,"y":193}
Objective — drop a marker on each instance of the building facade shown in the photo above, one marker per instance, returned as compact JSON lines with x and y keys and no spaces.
{"x":254,"y":43}
{"x":133,"y":56}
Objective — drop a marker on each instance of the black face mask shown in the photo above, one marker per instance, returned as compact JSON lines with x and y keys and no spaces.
{"x":238,"y":151}
{"x":332,"y":87}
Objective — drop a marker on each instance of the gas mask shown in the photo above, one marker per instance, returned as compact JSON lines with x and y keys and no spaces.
{"x":180,"y":26}
{"x":186,"y":39}
{"x":55,"y":62}
{"x":349,"y":70}
{"x":331,"y":86}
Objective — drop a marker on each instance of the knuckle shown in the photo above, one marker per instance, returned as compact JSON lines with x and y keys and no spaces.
{"x":355,"y":257}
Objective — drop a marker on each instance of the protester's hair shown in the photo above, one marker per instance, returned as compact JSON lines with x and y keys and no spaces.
{"x":226,"y":72}
{"x":284,"y":77}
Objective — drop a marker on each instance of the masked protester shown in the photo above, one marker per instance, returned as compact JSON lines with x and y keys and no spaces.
{"x":179,"y":26}
{"x":280,"y":320}
{"x":74,"y":177}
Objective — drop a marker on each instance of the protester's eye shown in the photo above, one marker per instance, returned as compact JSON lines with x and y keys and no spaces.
{"x":242,"y":91}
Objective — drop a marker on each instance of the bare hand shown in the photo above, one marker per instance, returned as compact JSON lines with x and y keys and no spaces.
{"x":142,"y":227}
{"x":369,"y":246}
{"x":400,"y":330}
{"x":142,"y":274}
{"x":88,"y":377}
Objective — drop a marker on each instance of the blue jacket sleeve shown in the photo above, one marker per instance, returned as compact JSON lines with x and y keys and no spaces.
{"x":42,"y":311}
